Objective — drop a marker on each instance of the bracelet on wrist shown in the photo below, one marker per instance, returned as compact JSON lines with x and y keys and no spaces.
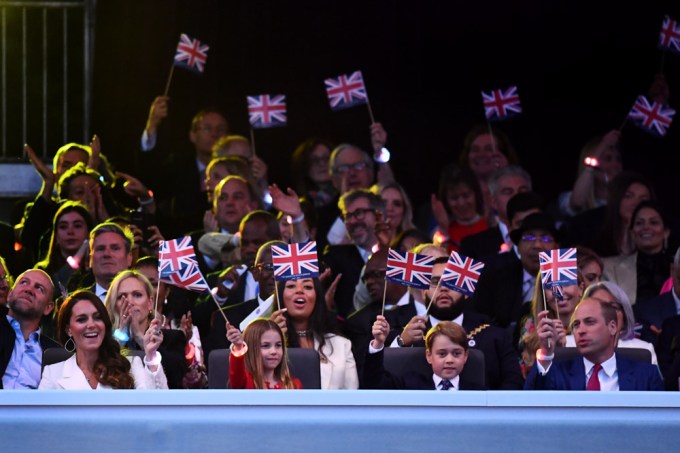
{"x":240,"y":352}
{"x":296,"y":220}
{"x":544,"y":357}
{"x":153,"y":362}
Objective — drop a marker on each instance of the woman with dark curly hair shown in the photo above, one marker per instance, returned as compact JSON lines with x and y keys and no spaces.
{"x":85,"y":327}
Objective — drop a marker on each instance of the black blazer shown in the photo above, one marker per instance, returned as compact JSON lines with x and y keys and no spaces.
{"x":376,"y":377}
{"x":482,"y":244}
{"x":7,"y":339}
{"x":217,"y":337}
{"x":345,"y":260}
{"x":499,"y":294}
{"x":653,"y":312}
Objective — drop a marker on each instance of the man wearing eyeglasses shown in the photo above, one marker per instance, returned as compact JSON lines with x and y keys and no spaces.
{"x":178,"y":178}
{"x":359,"y":209}
{"x":263,"y":272}
{"x":502,"y":292}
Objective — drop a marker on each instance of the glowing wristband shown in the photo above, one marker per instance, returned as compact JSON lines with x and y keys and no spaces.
{"x":544,"y":358}
{"x":153,"y":362}
{"x":121,"y":336}
{"x":241,"y":352}
{"x":296,"y":220}
{"x":382,"y":157}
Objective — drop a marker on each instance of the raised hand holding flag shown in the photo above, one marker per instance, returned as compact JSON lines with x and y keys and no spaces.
{"x":191,"y":54}
{"x":651,"y":117}
{"x":558,"y":267}
{"x":348,"y":90}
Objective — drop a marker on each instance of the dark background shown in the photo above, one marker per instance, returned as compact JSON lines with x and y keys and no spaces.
{"x":578,"y":67}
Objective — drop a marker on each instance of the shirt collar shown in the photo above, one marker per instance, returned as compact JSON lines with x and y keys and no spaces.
{"x":33,"y":337}
{"x":455,"y":381}
{"x":609,"y":365}
{"x":100,"y":291}
{"x":677,"y":301}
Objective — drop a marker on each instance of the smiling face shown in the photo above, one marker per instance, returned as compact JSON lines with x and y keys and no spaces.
{"x":360,"y":220}
{"x":649,"y":232}
{"x":86,"y":326}
{"x":446,"y":357}
{"x":271,"y":349}
{"x":71,"y":232}
{"x":351,"y":171}
{"x":461,"y":202}
{"x":571,"y":295}
{"x":484,"y":156}
{"x":299,"y":297}
{"x":634,"y":194}
{"x":31,"y":296}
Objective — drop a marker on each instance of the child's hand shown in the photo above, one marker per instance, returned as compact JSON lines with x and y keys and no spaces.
{"x":379,"y":330}
{"x":234,"y":336}
{"x":279,"y":318}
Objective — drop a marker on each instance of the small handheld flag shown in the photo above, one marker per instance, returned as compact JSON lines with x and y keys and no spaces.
{"x":177,"y":265}
{"x":267,"y":111}
{"x":346,"y":91}
{"x":191,"y":54}
{"x":558,"y":267}
{"x":295,"y":261}
{"x":409,"y":269}
{"x":500,"y":104}
{"x":669,"y":38}
{"x":651,"y":117}
{"x":461,"y":274}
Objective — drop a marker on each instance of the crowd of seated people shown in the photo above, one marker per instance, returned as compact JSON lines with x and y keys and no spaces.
{"x":87,"y":280}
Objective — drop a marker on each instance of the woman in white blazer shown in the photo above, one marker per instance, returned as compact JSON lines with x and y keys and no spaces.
{"x":305,"y":321}
{"x":84,"y":326}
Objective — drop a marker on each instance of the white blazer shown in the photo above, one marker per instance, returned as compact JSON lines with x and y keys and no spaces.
{"x":622,"y":270}
{"x":67,"y":375}
{"x":340,"y":370}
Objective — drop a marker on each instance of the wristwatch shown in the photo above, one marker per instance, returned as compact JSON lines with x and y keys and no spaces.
{"x":400,"y":341}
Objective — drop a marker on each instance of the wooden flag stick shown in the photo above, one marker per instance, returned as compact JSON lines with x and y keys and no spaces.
{"x":219,"y":307}
{"x":167,"y":84}
{"x":276,"y":291}
{"x":155,"y":305}
{"x":384,"y":294}
{"x":252,"y":141}
{"x":370,"y":110}
{"x":434,"y":296}
{"x":545,"y":305}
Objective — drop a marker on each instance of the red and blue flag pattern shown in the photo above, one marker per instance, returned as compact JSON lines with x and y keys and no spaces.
{"x":651,"y":117}
{"x":267,"y":111}
{"x":177,"y":265}
{"x":295,"y":261}
{"x":346,"y":91}
{"x":409,"y":269}
{"x":558,"y":267}
{"x":461,"y":274}
{"x":191,"y":54}
{"x":501,"y":104}
{"x":669,"y":38}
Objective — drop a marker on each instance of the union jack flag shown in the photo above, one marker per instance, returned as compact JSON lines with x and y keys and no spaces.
{"x":461,"y":273}
{"x":500,"y":105}
{"x":267,"y":111}
{"x":295,"y":261}
{"x":191,"y":54}
{"x":174,"y":255}
{"x":669,"y":37}
{"x":409,"y":269}
{"x":177,"y":265}
{"x":651,"y":117}
{"x":346,"y":91}
{"x":189,"y":277}
{"x":558,"y":267}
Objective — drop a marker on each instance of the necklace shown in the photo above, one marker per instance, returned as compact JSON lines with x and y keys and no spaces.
{"x":304,"y":333}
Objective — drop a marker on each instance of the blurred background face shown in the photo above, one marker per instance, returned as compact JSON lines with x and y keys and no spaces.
{"x":635,"y":194}
{"x":610,"y":164}
{"x":151,"y":273}
{"x":319,"y":160}
{"x":351,"y":171}
{"x":4,"y":286}
{"x":532,"y":243}
{"x":207,"y":131}
{"x":571,"y":295}
{"x":592,"y":273}
{"x":648,"y":232}
{"x":394,"y":206}
{"x":217,"y":173}
{"x":71,"y":232}
{"x":484,"y":156}
{"x":71,"y":158}
{"x":461,"y":201}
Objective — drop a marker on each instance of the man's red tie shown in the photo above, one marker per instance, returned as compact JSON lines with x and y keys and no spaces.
{"x":594,"y":381}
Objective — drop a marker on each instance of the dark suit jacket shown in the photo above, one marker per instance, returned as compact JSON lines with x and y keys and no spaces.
{"x":501,"y":362}
{"x":653,"y":312}
{"x":482,"y":244}
{"x":376,"y":377}
{"x":499,"y":294}
{"x":205,"y":306}
{"x":668,"y":345}
{"x":217,"y":338}
{"x":345,"y":260}
{"x":571,"y":375}
{"x":7,"y":339}
{"x":326,"y":215}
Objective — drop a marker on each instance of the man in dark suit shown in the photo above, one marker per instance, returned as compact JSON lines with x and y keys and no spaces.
{"x":21,"y":342}
{"x":504,"y":183}
{"x":501,"y":361}
{"x":178,"y":178}
{"x":360,"y":212}
{"x":502,"y":292}
{"x":596,"y":331}
{"x":263,"y":272}
{"x":652,"y":313}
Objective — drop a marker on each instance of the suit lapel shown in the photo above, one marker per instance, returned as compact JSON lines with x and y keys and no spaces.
{"x":576,"y":372}
{"x":626,"y":374}
{"x":72,"y":378}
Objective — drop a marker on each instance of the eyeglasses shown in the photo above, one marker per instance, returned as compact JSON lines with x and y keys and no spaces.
{"x":546,"y":238}
{"x":264,"y":267}
{"x":359,"y":166}
{"x":375,"y":275}
{"x":358,"y":214}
